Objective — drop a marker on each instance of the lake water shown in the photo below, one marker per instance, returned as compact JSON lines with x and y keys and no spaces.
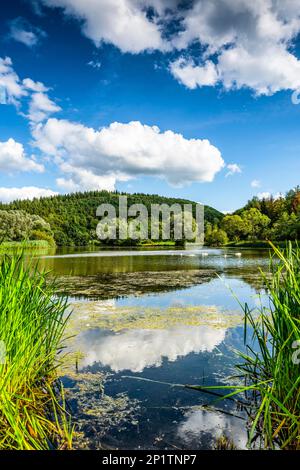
{"x":145,"y":323}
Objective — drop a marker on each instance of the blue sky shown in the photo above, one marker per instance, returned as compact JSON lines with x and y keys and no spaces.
{"x":171,"y":76}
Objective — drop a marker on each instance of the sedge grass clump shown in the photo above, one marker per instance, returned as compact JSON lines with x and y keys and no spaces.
{"x":270,"y":371}
{"x":271,"y":368}
{"x":32,"y":324}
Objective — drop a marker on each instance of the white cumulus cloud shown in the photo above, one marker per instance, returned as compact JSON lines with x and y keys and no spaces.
{"x":233,"y":169}
{"x":242,"y":43}
{"x":41,"y":107}
{"x":10,"y":83}
{"x":192,"y":76}
{"x":13,"y":91}
{"x":34,"y":86}
{"x":26,"y":192}
{"x":93,"y":158}
{"x":248,"y":42}
{"x":13,"y":158}
{"x":123,"y":23}
{"x":268,"y":195}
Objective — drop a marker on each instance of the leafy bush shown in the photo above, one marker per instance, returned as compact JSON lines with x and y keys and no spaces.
{"x":17,"y":225}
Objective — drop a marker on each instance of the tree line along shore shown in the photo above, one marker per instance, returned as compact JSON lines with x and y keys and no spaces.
{"x":70,"y":220}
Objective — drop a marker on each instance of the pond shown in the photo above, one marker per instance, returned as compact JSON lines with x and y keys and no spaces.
{"x":143,"y":324}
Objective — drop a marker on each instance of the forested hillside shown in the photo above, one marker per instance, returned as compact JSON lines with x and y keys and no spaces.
{"x":72,"y":217}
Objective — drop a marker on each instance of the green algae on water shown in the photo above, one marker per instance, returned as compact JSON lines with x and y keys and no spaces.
{"x":95,"y":314}
{"x":98,"y":413}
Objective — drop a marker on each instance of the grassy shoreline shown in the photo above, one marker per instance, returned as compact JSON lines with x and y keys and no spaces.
{"x":6,"y":247}
{"x":32,"y":324}
{"x":39,"y":245}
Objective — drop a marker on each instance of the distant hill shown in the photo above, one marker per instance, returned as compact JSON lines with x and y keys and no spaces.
{"x":72,"y":217}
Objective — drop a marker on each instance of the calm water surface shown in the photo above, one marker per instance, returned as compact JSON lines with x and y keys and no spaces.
{"x":144,"y":323}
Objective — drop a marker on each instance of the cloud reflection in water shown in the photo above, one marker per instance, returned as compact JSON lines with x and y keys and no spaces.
{"x":198,"y":423}
{"x":136,"y":350}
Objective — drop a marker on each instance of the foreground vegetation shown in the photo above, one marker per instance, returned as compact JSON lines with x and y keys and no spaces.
{"x":32,"y":323}
{"x":271,"y":367}
{"x":32,"y":245}
{"x":271,"y":363}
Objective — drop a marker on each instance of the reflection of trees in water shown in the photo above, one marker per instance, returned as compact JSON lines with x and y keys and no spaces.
{"x":118,"y":285}
{"x":253,"y":278}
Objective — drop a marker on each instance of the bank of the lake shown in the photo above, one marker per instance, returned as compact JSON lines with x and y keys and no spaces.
{"x":28,"y":245}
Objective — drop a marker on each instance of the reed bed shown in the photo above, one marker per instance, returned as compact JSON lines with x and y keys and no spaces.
{"x":32,"y":323}
{"x":270,"y":367}
{"x":271,"y":364}
{"x":24,"y":246}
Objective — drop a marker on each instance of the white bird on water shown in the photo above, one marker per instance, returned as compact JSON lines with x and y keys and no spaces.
{"x":238,"y":254}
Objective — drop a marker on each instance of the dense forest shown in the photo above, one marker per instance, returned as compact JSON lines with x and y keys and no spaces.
{"x":276,"y":219}
{"x":72,"y":217}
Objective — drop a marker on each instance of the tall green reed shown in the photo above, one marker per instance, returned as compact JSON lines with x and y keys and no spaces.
{"x":270,"y":370}
{"x":32,"y":324}
{"x":270,"y":366}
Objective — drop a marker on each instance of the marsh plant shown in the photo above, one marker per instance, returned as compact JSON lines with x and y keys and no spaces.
{"x":32,"y":323}
{"x":269,"y":368}
{"x":270,"y":372}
